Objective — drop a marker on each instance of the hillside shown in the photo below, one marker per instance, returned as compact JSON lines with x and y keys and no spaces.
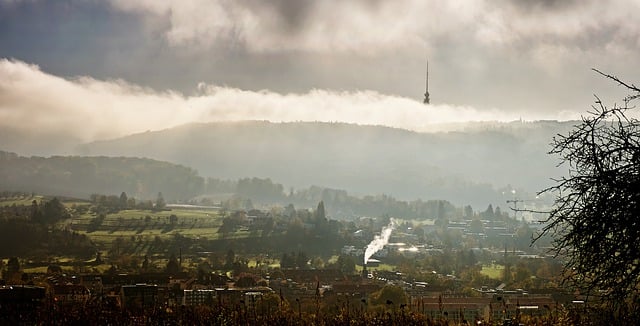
{"x":83,"y":176}
{"x":471,"y":166}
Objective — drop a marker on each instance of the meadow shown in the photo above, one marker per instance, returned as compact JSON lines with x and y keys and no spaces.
{"x":493,"y":271}
{"x":147,"y":225}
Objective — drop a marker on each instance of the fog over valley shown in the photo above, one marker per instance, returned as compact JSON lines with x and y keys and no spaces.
{"x":311,"y":93}
{"x":463,"y":167}
{"x":381,"y":144}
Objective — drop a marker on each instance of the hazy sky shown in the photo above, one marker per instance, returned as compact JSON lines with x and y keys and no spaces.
{"x":97,"y":69}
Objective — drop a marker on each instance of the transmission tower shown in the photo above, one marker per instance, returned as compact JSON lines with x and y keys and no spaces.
{"x":426,"y":92}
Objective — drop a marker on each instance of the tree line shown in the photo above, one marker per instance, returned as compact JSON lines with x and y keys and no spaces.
{"x":142,"y":179}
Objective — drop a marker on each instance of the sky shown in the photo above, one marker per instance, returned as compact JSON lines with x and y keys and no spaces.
{"x":88,"y":69}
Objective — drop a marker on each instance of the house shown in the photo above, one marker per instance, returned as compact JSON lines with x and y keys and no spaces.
{"x":139,"y":296}
{"x":355,"y":289}
{"x":311,"y":276}
{"x":199,"y":297}
{"x":71,"y":293}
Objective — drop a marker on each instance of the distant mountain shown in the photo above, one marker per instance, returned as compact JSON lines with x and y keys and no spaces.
{"x":472,"y":166}
{"x":82,"y":176}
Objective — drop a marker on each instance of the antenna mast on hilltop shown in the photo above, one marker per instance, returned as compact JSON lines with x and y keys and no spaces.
{"x":426,"y":92}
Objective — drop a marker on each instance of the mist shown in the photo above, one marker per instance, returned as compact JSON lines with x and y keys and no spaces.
{"x":529,"y":58}
{"x":84,"y":109}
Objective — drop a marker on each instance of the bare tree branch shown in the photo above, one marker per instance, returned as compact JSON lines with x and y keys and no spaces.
{"x":595,"y":217}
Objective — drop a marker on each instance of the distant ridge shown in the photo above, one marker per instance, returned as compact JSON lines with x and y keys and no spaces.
{"x":469,"y":166}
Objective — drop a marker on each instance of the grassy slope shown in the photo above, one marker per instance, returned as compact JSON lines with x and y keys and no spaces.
{"x":128,"y":223}
{"x":493,"y":271}
{"x":19,"y":200}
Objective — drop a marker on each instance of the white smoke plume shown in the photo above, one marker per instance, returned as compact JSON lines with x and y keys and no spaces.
{"x":379,"y":241}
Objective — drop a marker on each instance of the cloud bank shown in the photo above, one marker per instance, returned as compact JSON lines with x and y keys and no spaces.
{"x":365,"y":26}
{"x":89,"y":109}
{"x":515,"y":55}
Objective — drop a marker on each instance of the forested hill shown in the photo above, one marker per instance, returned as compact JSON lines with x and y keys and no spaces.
{"x":469,"y":166}
{"x":83,"y":176}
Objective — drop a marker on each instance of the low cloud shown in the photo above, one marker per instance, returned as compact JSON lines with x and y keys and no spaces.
{"x":514,"y":55}
{"x":368,"y":27}
{"x":90,"y":109}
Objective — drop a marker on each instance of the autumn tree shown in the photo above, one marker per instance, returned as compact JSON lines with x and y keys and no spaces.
{"x":346,"y":264}
{"x":245,"y":281}
{"x":389,"y":295}
{"x":594,"y":219}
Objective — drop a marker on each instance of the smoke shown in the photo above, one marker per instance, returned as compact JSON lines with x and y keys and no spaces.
{"x":379,"y":241}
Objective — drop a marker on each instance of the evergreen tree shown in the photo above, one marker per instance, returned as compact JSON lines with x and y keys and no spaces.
{"x":468,"y":212}
{"x":489,"y":214}
{"x":36,"y":213}
{"x":124,"y":201}
{"x":145,"y":264}
{"x":441,"y":211}
{"x":320,"y":214}
{"x":13,"y":268}
{"x":173,"y":266}
{"x":287,"y":261}
{"x":160,"y":203}
{"x":229,"y":259}
{"x":301,"y":260}
{"x":322,"y":225}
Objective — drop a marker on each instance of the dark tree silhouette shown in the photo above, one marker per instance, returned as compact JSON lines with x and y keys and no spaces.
{"x":595,"y":217}
{"x":54,"y":211}
{"x":320,"y":214}
{"x":160,"y":203}
{"x":301,"y":260}
{"x":13,"y":265}
{"x":36,"y":212}
{"x":173,"y":266}
{"x":123,"y":202}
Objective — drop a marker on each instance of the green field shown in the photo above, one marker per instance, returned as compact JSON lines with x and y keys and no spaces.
{"x":493,"y":271}
{"x":380,"y":267}
{"x":141,"y":227}
{"x":19,"y":200}
{"x":146,"y":225}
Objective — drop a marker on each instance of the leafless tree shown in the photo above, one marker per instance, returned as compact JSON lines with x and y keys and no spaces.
{"x":595,"y":220}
